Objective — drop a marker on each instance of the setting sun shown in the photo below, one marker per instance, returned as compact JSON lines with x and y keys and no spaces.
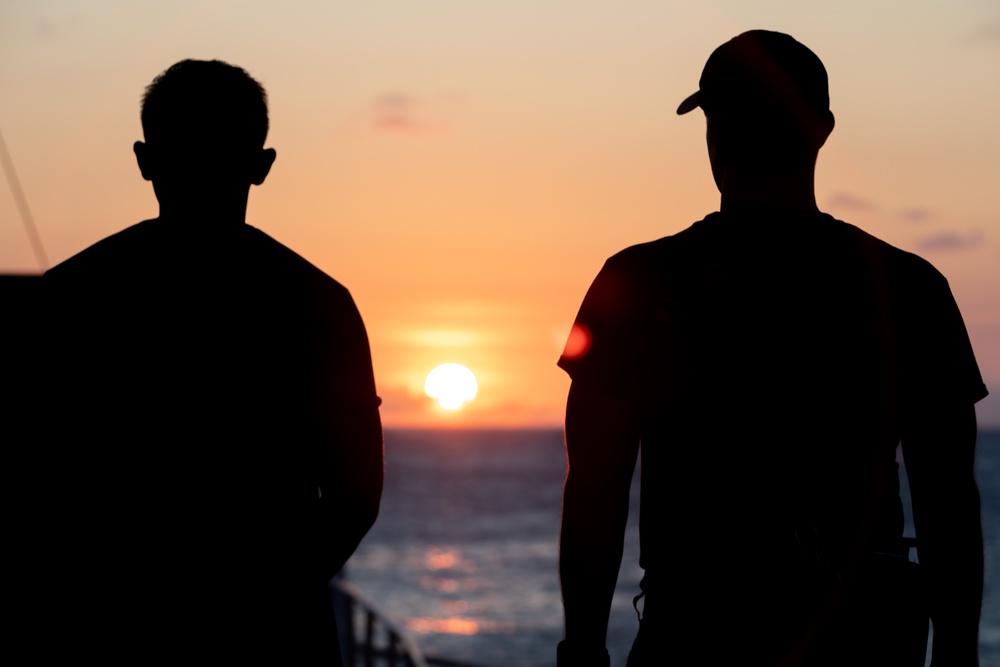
{"x":452,"y":385}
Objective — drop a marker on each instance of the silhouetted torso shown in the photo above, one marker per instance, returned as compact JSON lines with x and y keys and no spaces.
{"x":199,"y":373}
{"x":773,"y":356}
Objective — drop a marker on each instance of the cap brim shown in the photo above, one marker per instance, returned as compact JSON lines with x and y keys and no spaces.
{"x":690,"y":104}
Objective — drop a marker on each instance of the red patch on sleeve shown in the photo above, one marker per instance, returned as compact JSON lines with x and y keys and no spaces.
{"x":578,"y":343}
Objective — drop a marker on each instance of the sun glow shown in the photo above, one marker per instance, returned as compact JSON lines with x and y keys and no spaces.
{"x":452,"y":385}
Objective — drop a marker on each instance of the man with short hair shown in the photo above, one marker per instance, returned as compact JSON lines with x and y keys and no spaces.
{"x":768,"y":359}
{"x":219,"y":448}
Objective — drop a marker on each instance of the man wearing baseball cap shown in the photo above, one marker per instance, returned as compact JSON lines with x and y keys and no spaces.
{"x":768,"y":360}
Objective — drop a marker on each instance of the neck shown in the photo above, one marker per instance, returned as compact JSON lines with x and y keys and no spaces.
{"x":745,"y":188}
{"x":206,"y":212}
{"x":203,"y":217}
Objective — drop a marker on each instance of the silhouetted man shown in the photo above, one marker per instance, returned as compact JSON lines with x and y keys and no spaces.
{"x":768,"y":359}
{"x":219,"y":450}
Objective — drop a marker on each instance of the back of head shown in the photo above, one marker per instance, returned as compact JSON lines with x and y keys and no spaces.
{"x":206,"y":101}
{"x":204,"y":120}
{"x":766,"y":97}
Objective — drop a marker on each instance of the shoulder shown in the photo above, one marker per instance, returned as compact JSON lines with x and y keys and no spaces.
{"x":667,"y":247}
{"x":602,"y":350}
{"x":109,"y":254}
{"x":292,"y":280}
{"x":283,"y":262}
{"x":637,"y":263}
{"x":906,"y":271}
{"x":632,"y":274}
{"x":622,"y":293}
{"x":938,"y":363}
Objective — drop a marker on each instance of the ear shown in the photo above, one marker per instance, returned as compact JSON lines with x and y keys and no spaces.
{"x":826,"y":127}
{"x":143,"y":156}
{"x":262,"y":165}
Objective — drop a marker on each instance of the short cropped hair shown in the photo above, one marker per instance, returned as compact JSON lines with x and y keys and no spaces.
{"x":205,"y":99}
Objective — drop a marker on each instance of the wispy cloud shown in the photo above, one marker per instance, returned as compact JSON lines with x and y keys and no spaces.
{"x":915,"y":214}
{"x":394,"y":112}
{"x":987,"y":33}
{"x":44,"y":28}
{"x":405,"y":114}
{"x":845,"y":201}
{"x":848,"y":202}
{"x":950,"y":241}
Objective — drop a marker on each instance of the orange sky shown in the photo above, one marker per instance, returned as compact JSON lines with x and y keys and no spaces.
{"x":464,"y":168}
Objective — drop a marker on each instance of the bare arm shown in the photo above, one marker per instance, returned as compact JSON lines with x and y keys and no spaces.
{"x":939,"y":453}
{"x":602,"y":442}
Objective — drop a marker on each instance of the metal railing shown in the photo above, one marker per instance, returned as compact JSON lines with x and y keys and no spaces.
{"x":368,"y":638}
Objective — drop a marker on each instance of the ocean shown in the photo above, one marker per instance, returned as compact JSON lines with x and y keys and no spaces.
{"x":465,"y":550}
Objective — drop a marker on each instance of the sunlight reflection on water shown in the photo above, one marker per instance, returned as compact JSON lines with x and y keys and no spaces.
{"x":465,"y":549}
{"x":458,"y":625}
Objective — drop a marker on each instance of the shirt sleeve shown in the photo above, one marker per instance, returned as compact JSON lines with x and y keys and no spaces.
{"x":941,"y":366}
{"x":603,"y":349}
{"x":348,"y":374}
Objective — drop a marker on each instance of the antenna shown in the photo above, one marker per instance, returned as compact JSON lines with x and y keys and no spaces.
{"x":22,"y":206}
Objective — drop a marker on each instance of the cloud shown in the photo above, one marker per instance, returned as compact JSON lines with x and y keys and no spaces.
{"x":395,"y":101}
{"x":915,"y":214}
{"x":400,"y":113}
{"x":950,"y":241}
{"x":394,"y":112}
{"x":987,"y":33}
{"x":848,"y":202}
{"x":44,"y":28}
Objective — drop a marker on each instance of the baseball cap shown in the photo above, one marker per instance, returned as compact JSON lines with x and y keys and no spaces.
{"x":759,"y":72}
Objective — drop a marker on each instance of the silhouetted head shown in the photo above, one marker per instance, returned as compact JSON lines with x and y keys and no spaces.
{"x":767,"y":101}
{"x":204,"y":123}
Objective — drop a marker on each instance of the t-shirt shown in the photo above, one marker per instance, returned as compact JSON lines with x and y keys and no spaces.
{"x":774,"y":357}
{"x":199,"y":379}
